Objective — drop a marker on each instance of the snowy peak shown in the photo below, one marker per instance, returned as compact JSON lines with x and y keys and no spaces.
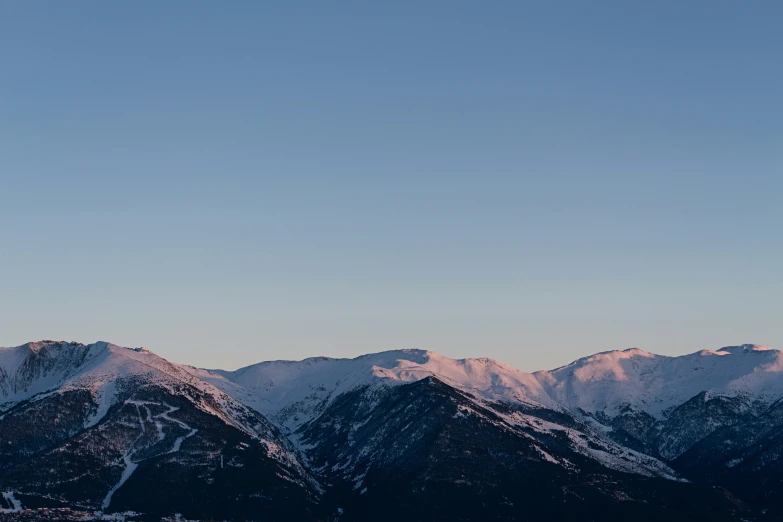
{"x":482,"y":376}
{"x":606,"y":382}
{"x":110,"y":374}
{"x":744,"y":348}
{"x":37,"y":367}
{"x":609,"y":381}
{"x":295,"y":391}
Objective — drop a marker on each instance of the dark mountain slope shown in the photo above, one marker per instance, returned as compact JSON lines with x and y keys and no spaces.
{"x":434,"y":454}
{"x":150,"y":443}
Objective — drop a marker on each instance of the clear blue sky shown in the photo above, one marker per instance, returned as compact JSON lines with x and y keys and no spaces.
{"x":227,"y":182}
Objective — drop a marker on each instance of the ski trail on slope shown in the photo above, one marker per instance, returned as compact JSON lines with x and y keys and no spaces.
{"x":17,"y":506}
{"x":131,"y":466}
{"x":178,"y":442}
{"x":141,"y":421}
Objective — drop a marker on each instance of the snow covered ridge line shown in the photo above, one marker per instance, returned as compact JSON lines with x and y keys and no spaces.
{"x":605,"y":382}
{"x":292,"y":392}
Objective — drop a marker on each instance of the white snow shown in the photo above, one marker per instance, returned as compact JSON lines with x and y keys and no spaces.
{"x":292,"y":393}
{"x":607,"y":382}
{"x":36,"y":370}
{"x":17,"y":506}
{"x":97,"y":368}
{"x":295,"y":392}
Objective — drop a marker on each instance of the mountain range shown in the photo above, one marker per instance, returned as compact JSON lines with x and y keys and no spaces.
{"x":406,"y":434}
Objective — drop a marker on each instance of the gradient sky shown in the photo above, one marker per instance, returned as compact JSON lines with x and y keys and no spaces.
{"x":530,"y":181}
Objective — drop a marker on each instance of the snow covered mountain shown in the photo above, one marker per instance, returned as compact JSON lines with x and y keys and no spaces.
{"x":293,"y":392}
{"x":615,"y":435}
{"x":104,"y":427}
{"x":599,"y":390}
{"x":609,"y":382}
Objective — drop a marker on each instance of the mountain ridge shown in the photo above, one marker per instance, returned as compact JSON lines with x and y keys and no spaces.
{"x":336,"y":432}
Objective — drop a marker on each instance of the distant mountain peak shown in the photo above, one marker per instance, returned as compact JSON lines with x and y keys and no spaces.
{"x":746,"y":348}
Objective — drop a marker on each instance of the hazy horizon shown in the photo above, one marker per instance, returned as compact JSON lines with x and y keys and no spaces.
{"x":531,"y":183}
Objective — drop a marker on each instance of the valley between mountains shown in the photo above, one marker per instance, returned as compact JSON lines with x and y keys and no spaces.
{"x":398,"y":435}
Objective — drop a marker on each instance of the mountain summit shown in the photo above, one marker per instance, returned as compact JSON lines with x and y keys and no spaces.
{"x":614,"y":435}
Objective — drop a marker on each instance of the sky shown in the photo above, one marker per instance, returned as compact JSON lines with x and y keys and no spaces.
{"x":226,"y":183}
